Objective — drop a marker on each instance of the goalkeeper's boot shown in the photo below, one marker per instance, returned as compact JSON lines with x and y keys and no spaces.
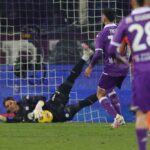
{"x":87,"y":52}
{"x":118,"y":121}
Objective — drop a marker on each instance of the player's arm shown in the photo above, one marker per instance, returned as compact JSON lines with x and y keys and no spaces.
{"x":94,"y":60}
{"x":37,"y":112}
{"x":122,"y":51}
{"x":15,"y":119}
{"x":123,"y":47}
{"x":36,"y":103}
{"x":96,"y":56}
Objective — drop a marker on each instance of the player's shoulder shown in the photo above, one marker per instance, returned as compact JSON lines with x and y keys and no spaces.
{"x":125,"y":22}
{"x":142,"y":16}
{"x":99,"y":34}
{"x":128,"y":19}
{"x":136,"y":15}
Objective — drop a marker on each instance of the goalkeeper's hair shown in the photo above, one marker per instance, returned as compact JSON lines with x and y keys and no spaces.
{"x":140,"y":2}
{"x":7,"y":99}
{"x":110,"y":14}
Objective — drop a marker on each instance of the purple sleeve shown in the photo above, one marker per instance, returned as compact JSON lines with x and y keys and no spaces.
{"x":99,"y":44}
{"x":117,"y":39}
{"x":95,"y":58}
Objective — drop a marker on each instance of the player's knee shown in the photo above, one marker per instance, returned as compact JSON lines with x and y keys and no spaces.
{"x":101,"y":93}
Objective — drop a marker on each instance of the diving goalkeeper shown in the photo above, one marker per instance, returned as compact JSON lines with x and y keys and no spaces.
{"x":30,"y":108}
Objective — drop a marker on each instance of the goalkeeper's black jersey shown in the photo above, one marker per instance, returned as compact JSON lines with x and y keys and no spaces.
{"x":26,"y":106}
{"x":56,"y":105}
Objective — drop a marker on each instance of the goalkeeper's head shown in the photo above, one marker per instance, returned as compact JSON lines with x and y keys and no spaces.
{"x":108,"y":16}
{"x":11,"y":105}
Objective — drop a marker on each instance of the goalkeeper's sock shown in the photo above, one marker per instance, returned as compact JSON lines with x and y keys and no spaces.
{"x":74,"y":108}
{"x":66,"y":87}
{"x":115,"y":101}
{"x":88,"y":101}
{"x":108,"y":106}
{"x":142,"y":138}
{"x":76,"y":71}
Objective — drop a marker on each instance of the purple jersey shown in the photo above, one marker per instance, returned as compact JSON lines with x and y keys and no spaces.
{"x":102,"y":44}
{"x":137,"y":29}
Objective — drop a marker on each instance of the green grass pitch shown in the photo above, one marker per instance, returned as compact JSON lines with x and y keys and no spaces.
{"x":66,"y":136}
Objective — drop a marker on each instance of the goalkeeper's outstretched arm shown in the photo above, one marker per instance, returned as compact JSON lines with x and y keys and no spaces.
{"x":12,"y":120}
{"x":37,"y":112}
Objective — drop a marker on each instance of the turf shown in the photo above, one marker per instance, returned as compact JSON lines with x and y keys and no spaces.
{"x":66,"y":136}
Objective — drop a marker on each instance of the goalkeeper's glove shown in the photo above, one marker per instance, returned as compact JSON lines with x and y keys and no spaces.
{"x":37,"y":112}
{"x":3,"y":119}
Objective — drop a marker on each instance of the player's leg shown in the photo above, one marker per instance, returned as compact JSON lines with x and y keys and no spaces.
{"x":116,"y":104}
{"x":72,"y":109}
{"x":113,"y":95}
{"x":141,"y":102}
{"x":115,"y":101}
{"x":105,"y":103}
{"x":141,"y":129}
{"x":103,"y":86}
{"x":65,"y":87}
{"x":61,"y":95}
{"x":107,"y":83}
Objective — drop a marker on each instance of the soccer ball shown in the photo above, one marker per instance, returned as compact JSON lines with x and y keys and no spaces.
{"x":46,"y":117}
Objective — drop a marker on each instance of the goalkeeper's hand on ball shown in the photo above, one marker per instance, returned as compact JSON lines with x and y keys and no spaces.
{"x":37,"y":112}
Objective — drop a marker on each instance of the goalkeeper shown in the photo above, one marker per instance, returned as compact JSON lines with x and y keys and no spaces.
{"x":30,"y":108}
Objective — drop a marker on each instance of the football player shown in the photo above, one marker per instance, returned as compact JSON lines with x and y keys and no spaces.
{"x":136,"y":27}
{"x":114,"y":72}
{"x":30,"y":108}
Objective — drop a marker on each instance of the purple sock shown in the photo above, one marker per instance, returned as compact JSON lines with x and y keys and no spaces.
{"x":141,"y":138}
{"x":108,"y":106}
{"x":115,"y":101}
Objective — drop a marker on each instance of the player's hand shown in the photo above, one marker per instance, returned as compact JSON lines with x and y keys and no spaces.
{"x":37,"y":113}
{"x":3,"y":119}
{"x":30,"y":116}
{"x":88,"y":71}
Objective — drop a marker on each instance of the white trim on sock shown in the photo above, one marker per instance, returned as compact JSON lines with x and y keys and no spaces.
{"x":101,"y":99}
{"x":112,"y":93}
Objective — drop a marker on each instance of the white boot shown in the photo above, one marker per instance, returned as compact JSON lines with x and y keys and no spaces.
{"x":118,"y":121}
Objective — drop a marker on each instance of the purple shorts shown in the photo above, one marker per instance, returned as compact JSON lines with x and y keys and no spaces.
{"x":108,"y":82}
{"x":141,"y":91}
